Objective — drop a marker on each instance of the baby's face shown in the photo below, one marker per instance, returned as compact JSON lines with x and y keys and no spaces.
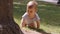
{"x":32,"y":10}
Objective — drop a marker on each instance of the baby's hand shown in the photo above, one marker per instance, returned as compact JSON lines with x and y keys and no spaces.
{"x":35,"y":24}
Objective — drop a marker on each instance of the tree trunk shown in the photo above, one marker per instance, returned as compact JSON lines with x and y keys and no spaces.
{"x":7,"y":24}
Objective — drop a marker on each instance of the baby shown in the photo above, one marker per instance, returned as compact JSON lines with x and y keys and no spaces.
{"x":31,"y":18}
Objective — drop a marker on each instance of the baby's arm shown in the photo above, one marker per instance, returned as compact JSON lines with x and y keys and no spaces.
{"x":23,"y":20}
{"x":38,"y":20}
{"x":23,"y":23}
{"x":38,"y":23}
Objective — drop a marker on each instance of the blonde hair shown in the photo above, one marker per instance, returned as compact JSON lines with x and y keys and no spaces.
{"x":31,"y":3}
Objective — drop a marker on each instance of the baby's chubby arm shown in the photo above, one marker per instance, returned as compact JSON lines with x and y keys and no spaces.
{"x":38,"y":20}
{"x":23,"y":20}
{"x":23,"y":23}
{"x":38,"y":23}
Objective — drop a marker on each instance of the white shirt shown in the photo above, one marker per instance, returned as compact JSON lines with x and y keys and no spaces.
{"x":29,"y":20}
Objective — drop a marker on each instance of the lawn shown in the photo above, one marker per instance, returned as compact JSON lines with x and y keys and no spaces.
{"x":49,"y":14}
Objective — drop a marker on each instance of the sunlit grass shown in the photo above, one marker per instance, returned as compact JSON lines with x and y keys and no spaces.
{"x":50,"y":29}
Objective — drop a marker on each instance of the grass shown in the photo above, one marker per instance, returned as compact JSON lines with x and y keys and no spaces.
{"x":49,"y":14}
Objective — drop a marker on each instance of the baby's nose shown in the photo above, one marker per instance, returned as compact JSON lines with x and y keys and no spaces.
{"x":30,"y":11}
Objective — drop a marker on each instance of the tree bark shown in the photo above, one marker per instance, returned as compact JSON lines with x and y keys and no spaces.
{"x":7,"y":24}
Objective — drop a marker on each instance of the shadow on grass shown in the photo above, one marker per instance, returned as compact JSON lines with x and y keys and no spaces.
{"x":39,"y":30}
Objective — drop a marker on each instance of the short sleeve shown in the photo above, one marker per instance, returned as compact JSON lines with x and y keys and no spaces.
{"x":37,"y":17}
{"x":24,"y":15}
{"x":24,"y":18}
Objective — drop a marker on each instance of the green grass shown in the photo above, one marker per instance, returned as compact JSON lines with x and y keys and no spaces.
{"x":49,"y":14}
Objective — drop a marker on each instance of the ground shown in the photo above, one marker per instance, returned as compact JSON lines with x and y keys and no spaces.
{"x":34,"y":31}
{"x":30,"y":32}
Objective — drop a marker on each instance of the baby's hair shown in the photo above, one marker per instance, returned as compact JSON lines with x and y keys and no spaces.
{"x":31,"y":4}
